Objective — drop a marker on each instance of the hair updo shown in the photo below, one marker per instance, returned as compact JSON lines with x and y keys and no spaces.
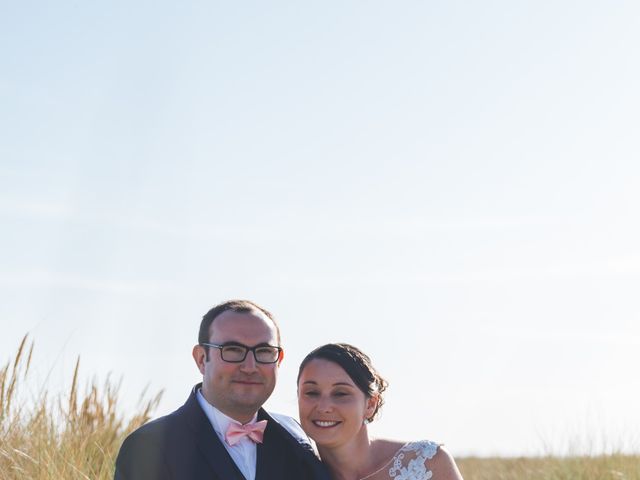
{"x":357,"y":365}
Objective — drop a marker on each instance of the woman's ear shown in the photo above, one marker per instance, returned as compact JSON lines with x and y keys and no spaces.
{"x":372,"y":404}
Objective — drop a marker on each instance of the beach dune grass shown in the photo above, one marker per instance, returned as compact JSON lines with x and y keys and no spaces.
{"x":70,"y":435}
{"x":76,"y":435}
{"x":602,"y":467}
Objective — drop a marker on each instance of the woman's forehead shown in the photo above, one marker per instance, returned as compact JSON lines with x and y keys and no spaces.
{"x":321,"y":370}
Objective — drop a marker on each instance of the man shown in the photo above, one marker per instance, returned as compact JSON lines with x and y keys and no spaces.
{"x":222,"y":432}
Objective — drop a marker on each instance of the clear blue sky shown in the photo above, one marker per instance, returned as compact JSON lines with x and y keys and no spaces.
{"x":451,"y":186}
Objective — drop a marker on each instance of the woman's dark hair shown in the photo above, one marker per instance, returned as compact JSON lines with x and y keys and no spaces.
{"x":357,"y":365}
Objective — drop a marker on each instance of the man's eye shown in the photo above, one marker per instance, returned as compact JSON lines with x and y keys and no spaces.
{"x":266,"y":351}
{"x":233,"y":349}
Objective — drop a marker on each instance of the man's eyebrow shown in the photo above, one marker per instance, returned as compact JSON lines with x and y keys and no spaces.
{"x":233,"y":343}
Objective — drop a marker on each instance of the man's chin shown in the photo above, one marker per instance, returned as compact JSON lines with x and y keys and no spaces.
{"x":249,"y":401}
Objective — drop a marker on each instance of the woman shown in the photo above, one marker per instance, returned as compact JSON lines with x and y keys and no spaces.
{"x":339,"y":393}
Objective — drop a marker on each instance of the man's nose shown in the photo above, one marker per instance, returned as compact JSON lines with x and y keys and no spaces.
{"x":249,"y":363}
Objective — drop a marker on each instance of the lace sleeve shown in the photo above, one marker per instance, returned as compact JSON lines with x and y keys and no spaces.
{"x":410,"y":462}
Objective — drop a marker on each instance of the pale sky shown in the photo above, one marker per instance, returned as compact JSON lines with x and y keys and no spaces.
{"x":451,"y":186}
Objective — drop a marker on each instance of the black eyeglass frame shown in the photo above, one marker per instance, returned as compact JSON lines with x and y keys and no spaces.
{"x":246,"y":351}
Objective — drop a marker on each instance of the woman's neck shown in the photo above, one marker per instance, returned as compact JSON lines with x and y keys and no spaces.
{"x":351,"y":461}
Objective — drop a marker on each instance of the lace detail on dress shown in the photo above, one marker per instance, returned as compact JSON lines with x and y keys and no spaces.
{"x":413,"y":468}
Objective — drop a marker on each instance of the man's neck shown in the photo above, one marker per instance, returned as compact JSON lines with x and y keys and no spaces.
{"x":241,"y":416}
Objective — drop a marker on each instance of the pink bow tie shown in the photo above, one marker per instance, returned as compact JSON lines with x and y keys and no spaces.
{"x":255,"y":431}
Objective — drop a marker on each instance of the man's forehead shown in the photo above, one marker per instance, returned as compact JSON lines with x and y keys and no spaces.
{"x":252,"y":324}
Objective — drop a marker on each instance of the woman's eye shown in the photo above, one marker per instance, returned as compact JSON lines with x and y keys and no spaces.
{"x":341,"y":394}
{"x":311,"y":394}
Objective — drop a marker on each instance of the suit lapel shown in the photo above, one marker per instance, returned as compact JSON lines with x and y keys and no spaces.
{"x":217,"y":456}
{"x":281,"y":455}
{"x":270,"y":458}
{"x":208,"y":442}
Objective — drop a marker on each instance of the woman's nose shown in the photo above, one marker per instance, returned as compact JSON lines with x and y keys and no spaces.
{"x":325,"y":404}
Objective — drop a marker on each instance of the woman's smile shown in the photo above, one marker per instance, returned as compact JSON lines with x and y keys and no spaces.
{"x":325,"y":423}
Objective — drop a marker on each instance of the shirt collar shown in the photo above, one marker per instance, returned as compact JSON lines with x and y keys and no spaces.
{"x":219,"y":421}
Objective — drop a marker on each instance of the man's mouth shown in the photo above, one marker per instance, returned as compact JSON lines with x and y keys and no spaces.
{"x":325,"y":423}
{"x":246,"y":381}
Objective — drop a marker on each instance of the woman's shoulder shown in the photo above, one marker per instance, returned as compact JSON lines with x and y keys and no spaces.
{"x":442,"y":464}
{"x":423,"y":459}
{"x":390,"y":448}
{"x":384,"y":446}
{"x":426,"y":449}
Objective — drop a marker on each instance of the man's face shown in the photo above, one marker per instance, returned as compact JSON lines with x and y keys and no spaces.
{"x":238,"y":389}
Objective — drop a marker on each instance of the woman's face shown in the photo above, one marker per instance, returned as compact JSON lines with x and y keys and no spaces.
{"x":332,"y":408}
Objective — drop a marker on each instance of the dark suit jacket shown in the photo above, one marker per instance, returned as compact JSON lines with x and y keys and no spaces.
{"x":184,"y":446}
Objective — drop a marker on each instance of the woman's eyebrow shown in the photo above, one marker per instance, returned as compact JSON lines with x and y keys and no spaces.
{"x":337,"y":384}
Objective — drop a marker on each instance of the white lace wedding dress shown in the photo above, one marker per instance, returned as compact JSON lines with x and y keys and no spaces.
{"x":409,"y":463}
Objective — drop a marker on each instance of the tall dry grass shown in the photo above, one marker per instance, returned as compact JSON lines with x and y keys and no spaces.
{"x":72,"y":435}
{"x":76,"y":435}
{"x":604,"y":467}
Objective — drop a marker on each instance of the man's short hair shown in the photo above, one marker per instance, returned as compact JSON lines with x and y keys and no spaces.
{"x":240,"y":306}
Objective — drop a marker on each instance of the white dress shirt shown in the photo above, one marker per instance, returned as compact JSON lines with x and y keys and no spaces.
{"x":244,"y":453}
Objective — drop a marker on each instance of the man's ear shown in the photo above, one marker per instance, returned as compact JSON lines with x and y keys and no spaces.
{"x":280,"y":357}
{"x":200,"y":357}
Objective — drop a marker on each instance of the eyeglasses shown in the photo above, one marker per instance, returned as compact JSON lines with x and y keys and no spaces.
{"x":236,"y":353}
